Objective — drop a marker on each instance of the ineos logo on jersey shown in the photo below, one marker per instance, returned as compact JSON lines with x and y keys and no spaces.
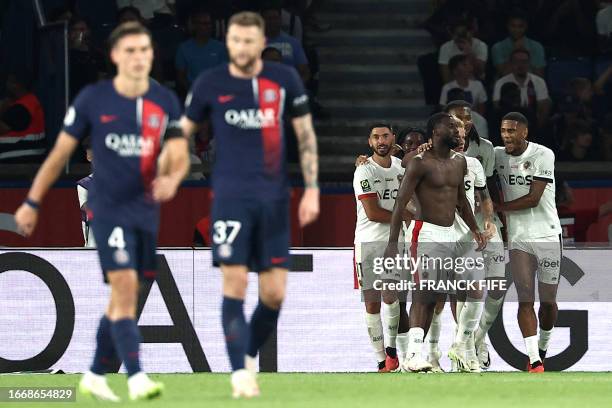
{"x":129,"y":145}
{"x":387,"y":194}
{"x":514,"y":180}
{"x":251,"y":118}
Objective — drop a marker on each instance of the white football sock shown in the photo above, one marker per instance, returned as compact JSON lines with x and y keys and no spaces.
{"x":433,"y":335}
{"x":468,"y":320}
{"x":531,"y":345}
{"x":544,"y":339}
{"x":375,"y":331}
{"x":402,"y":345}
{"x":489,"y":314}
{"x":415,"y":340}
{"x":391,"y":314}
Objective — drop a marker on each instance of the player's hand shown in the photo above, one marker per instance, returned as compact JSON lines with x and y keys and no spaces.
{"x":490,"y":229}
{"x":391,"y":251}
{"x":164,"y":188}
{"x":26,"y":218}
{"x":480,"y":239}
{"x":308,"y":211}
{"x":362,"y":159}
{"x":395,"y":149}
{"x":425,"y":147}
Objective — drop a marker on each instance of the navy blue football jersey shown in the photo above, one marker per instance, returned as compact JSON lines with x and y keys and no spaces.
{"x":248,"y":118}
{"x":127,"y":135}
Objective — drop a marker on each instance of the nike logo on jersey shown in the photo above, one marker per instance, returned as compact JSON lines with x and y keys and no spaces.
{"x":225,"y":98}
{"x":107,"y":118}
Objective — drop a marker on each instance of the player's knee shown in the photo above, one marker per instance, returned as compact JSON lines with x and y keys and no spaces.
{"x":235,"y":284}
{"x":547,"y":307}
{"x":372,"y":307}
{"x":272,"y":296}
{"x":525,"y":307}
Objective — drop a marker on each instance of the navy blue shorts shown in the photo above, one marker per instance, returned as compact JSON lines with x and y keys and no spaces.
{"x":250,"y":232}
{"x":125,"y":248}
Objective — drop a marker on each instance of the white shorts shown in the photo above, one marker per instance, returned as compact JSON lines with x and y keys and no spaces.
{"x":368,"y":271}
{"x":494,"y":255}
{"x":434,"y":248}
{"x":548,"y":252}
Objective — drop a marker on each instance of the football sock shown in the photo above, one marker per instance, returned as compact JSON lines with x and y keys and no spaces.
{"x":236,"y":331}
{"x":126,"y":337}
{"x":105,"y":349}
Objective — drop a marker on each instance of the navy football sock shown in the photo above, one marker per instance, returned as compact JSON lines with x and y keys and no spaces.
{"x":263,"y":323}
{"x":105,"y":349}
{"x":127,"y":342}
{"x":236,"y":331}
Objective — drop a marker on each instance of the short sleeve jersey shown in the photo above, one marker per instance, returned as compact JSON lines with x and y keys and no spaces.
{"x":127,"y":135}
{"x":516,"y":173}
{"x":248,"y":119}
{"x":374,"y":181}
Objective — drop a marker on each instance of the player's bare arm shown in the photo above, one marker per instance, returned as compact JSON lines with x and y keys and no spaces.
{"x":465,"y":211}
{"x":175,"y":165}
{"x":414,"y":173}
{"x":529,"y":200}
{"x":376,"y":213}
{"x":26,"y":215}
{"x":486,"y":205}
{"x":307,"y":141}
{"x":188,"y":127}
{"x":422,"y":148}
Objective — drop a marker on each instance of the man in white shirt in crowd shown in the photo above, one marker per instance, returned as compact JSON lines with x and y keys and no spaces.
{"x":534,"y":92}
{"x":463,"y":42}
{"x":462,"y":71}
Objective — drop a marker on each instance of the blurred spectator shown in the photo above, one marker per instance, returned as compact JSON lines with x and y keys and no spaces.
{"x":605,"y":133}
{"x":290,"y":48}
{"x":200,"y":52}
{"x":22,"y":122}
{"x":517,"y":39}
{"x":63,"y":13}
{"x":448,"y":11}
{"x":86,"y":63}
{"x":581,"y":89}
{"x":463,"y":42}
{"x":83,"y":186}
{"x":462,"y":71}
{"x":534,"y":92}
{"x":570,"y":28}
{"x":157,"y":13}
{"x":579,"y":144}
{"x":480,"y":123}
{"x":604,"y":26}
{"x":272,"y":54}
{"x":130,"y":13}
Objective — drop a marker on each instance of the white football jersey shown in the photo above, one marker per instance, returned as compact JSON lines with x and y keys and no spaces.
{"x":516,"y":174}
{"x":485,"y":153}
{"x":475,"y":178}
{"x":372,"y":180}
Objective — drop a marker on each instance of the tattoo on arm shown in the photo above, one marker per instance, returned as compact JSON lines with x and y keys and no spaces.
{"x":309,"y":157}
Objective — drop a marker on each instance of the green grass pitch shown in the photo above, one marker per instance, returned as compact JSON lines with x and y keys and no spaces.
{"x":496,"y":390}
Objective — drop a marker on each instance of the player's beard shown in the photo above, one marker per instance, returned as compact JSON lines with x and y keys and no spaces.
{"x":382,"y":154}
{"x":246,"y":67}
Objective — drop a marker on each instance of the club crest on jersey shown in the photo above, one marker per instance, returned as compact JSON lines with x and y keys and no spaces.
{"x":526,"y":165}
{"x":154,"y":121}
{"x":269,"y":95}
{"x":251,"y":118}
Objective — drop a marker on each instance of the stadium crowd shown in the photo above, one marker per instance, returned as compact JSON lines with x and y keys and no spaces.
{"x":189,"y":39}
{"x":549,"y":59}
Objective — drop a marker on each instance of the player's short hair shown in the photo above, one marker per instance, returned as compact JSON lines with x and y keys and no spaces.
{"x":434,"y":121}
{"x":519,"y":51}
{"x":403,"y":134}
{"x":456,"y":105}
{"x":125,"y":29}
{"x":380,"y":125}
{"x":454,"y":62}
{"x":517,"y":117}
{"x":247,"y":19}
{"x":271,"y":50}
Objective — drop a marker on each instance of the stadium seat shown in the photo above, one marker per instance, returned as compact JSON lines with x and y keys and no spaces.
{"x":561,"y":70}
{"x":97,"y":12}
{"x":168,"y":40}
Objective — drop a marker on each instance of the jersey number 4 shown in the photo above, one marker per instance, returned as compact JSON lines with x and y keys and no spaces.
{"x":221,"y":235}
{"x":116,"y":239}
